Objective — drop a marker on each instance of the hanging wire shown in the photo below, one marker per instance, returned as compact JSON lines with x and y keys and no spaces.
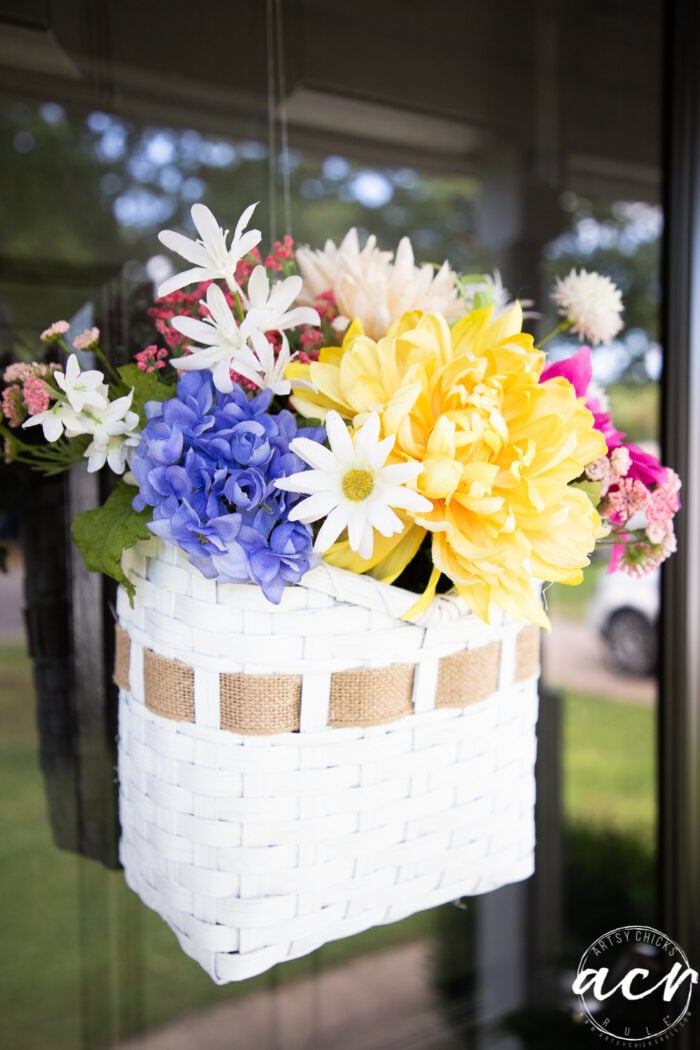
{"x":277,"y":111}
{"x":271,"y":106}
{"x":284,"y":126}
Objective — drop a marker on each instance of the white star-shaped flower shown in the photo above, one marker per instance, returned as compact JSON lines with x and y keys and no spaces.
{"x":350,"y":485}
{"x":224,"y":343}
{"x":269,"y":307}
{"x":114,"y":434}
{"x":212,"y":259}
{"x":55,"y":420}
{"x":82,"y":389}
{"x":85,"y":393}
{"x":272,"y":368}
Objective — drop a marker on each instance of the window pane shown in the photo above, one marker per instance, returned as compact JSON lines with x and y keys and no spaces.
{"x":523,"y":139}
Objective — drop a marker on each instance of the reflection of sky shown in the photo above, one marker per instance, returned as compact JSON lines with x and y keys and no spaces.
{"x":611,"y":361}
{"x":636,"y":223}
{"x":141,"y":208}
{"x":158,"y":168}
{"x":371,"y":188}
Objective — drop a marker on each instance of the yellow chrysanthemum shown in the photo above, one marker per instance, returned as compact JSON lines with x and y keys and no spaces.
{"x":498,"y":450}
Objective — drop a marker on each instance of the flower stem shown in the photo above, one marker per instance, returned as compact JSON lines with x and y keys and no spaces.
{"x":562,"y":327}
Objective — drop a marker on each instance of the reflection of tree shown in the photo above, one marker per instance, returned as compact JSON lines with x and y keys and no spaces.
{"x":622,"y":240}
{"x":83,"y":193}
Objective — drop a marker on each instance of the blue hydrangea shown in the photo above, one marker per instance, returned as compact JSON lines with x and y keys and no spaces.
{"x":206,"y":464}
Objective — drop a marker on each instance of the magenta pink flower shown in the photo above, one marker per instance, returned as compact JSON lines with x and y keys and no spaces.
{"x":577,"y":369}
{"x":645,"y":467}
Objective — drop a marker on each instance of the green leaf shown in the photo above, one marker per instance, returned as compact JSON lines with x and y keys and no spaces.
{"x":473,"y":278}
{"x":591,"y":489}
{"x":482,"y":299}
{"x":147,"y":386}
{"x":102,"y":534}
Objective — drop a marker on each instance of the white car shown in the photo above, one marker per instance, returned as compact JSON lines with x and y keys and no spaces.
{"x":625,"y":609}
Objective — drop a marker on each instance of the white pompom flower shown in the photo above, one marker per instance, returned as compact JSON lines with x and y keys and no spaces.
{"x":592,"y":305}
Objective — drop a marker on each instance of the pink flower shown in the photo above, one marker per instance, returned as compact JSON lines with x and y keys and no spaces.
{"x":640,"y":557}
{"x":17,"y":372}
{"x":620,"y":463}
{"x":87,"y":340}
{"x":663,"y":505}
{"x":37,"y":395}
{"x":282,"y":252}
{"x":577,"y":369}
{"x":645,"y":467}
{"x":311,"y":340}
{"x":629,"y":498}
{"x":13,"y":407}
{"x":54,"y":332}
{"x":151,"y":358}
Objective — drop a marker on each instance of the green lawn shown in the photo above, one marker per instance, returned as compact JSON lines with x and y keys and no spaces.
{"x":609,"y":765}
{"x":84,"y":963}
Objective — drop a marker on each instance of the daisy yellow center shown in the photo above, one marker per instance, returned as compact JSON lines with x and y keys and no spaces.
{"x":357,"y":485}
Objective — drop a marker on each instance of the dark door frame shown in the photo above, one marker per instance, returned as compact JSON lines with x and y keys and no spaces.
{"x":679,"y":709}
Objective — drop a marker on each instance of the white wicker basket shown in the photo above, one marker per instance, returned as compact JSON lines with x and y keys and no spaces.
{"x":294,"y":774}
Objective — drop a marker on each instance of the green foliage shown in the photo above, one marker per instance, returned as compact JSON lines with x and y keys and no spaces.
{"x":635,"y":409}
{"x":147,"y":386}
{"x":47,"y":459}
{"x":103,"y":533}
{"x":591,"y":489}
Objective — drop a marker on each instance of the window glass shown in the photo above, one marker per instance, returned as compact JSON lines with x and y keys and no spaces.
{"x":511,"y":137}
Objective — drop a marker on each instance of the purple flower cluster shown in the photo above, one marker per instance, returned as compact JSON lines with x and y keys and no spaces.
{"x":206,"y":463}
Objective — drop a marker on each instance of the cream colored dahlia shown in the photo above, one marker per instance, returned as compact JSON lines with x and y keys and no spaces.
{"x":591,"y":303}
{"x":373,"y":285}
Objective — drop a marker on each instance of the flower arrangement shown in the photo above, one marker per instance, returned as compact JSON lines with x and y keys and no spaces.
{"x":349,"y":405}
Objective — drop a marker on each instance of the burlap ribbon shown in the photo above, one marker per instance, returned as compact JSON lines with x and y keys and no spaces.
{"x":271,"y":703}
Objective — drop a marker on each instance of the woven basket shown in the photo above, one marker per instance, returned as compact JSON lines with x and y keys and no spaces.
{"x":294,"y":774}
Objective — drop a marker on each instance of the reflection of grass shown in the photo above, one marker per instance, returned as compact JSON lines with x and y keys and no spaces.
{"x":83,"y":962}
{"x":572,"y":602}
{"x":609,"y":765}
{"x":608,"y":773}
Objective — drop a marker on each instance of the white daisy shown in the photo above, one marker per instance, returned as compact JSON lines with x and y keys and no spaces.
{"x":350,"y":485}
{"x":591,"y":303}
{"x":212,"y":258}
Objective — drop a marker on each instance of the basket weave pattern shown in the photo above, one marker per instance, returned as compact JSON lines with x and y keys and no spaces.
{"x":291,"y":775}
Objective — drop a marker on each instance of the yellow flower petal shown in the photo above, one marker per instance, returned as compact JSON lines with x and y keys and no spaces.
{"x":498,"y":449}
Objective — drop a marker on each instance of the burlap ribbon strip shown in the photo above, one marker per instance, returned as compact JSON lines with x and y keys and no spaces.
{"x":268,"y":704}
